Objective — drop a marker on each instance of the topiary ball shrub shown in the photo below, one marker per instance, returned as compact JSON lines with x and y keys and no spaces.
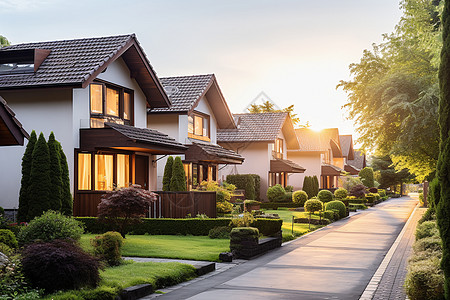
{"x":288,"y":197}
{"x":289,"y":189}
{"x":50,"y":226}
{"x":341,"y":193}
{"x":59,"y":265}
{"x":108,"y":247}
{"x":276,"y":193}
{"x":426,"y":229}
{"x":329,"y":214}
{"x":325,"y":196}
{"x":8,"y":238}
{"x":425,"y":280}
{"x":220,"y":232}
{"x":313,"y":205}
{"x":359,"y":191}
{"x":299,"y":197}
{"x":339,"y":205}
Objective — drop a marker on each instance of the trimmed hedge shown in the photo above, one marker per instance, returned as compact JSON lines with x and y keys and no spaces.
{"x":338,"y":205}
{"x":272,"y":205}
{"x":246,"y":182}
{"x":194,"y":226}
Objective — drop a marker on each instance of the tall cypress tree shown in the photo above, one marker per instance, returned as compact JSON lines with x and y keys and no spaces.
{"x":178,"y":180}
{"x":40,"y":182}
{"x":167,"y":174}
{"x":25,"y":183}
{"x":66,"y":196}
{"x":55,"y":173}
{"x":308,"y":186}
{"x":316,"y":185}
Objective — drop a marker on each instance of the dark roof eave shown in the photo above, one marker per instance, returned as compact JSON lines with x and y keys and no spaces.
{"x":40,"y":86}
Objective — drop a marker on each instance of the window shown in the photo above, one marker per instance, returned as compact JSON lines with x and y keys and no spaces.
{"x":104,"y":173}
{"x":277,"y":148}
{"x":198,"y":127}
{"x":110,"y":104}
{"x":84,"y":171}
{"x":123,"y":170}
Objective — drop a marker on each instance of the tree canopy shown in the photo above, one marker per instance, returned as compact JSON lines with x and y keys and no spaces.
{"x":267,"y":106}
{"x":3,"y":41}
{"x":393,"y":93}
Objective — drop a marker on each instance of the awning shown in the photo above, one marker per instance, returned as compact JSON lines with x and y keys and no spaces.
{"x":198,"y":152}
{"x":331,"y":170}
{"x":124,"y":137}
{"x":283,"y":165}
{"x":351,"y":169}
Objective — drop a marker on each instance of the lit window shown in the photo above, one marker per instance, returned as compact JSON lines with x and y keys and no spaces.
{"x":103,"y":172}
{"x":198,"y":127}
{"x":112,"y":102}
{"x":190,"y":124}
{"x":96,"y":98}
{"x":127,"y":106}
{"x":84,"y":171}
{"x":198,"y":123}
{"x":123,"y":170}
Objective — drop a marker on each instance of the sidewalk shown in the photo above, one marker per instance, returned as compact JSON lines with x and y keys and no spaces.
{"x":336,"y":262}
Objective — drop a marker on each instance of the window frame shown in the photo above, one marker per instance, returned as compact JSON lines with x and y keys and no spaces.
{"x":121,"y":107}
{"x":203,"y":117}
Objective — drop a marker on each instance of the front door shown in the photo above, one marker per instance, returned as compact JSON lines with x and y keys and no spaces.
{"x":141,"y":171}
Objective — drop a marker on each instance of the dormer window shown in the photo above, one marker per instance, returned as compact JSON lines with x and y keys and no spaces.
{"x":198,"y":126}
{"x":21,"y":61}
{"x":110,"y":103}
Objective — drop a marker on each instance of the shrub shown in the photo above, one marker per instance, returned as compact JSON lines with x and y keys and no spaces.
{"x":246,"y":182}
{"x":108,"y":247}
{"x":242,"y":234}
{"x":125,"y":206}
{"x":315,"y":183}
{"x":373,"y":190}
{"x":341,"y":193}
{"x":325,"y":196}
{"x":382,"y":192}
{"x":432,"y":243}
{"x":359,"y":191}
{"x":289,"y":188}
{"x":66,"y":196}
{"x":243,"y":221}
{"x":366,"y":176}
{"x":221,"y":232}
{"x":426,"y":229}
{"x":276,"y":193}
{"x":59,"y":265}
{"x":8,"y":238}
{"x":55,"y":173}
{"x":167,"y":174}
{"x":267,"y":227}
{"x":275,"y":206}
{"x":329,"y":214}
{"x":421,"y":199}
{"x":370,"y":198}
{"x":178,"y":179}
{"x":50,"y":226}
{"x":288,"y":197}
{"x":339,"y":205}
{"x":425,"y":280}
{"x":313,"y":205}
{"x":299,"y":197}
{"x":308,"y":186}
{"x":349,"y":182}
{"x":224,"y":207}
{"x":24,"y":196}
{"x":251,"y":202}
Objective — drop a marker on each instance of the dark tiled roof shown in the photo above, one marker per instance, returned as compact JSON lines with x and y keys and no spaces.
{"x":285,"y":165}
{"x":184,"y":91}
{"x":359,"y":162}
{"x":346,"y":143}
{"x":12,"y":124}
{"x":262,"y":127}
{"x":219,"y":151}
{"x":69,"y":62}
{"x":146,"y":135}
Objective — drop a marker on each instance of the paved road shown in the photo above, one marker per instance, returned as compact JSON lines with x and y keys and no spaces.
{"x":336,"y":262}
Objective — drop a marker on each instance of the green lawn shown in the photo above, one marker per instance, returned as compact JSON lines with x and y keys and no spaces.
{"x":169,"y":246}
{"x":114,"y":279}
{"x":286,"y":216}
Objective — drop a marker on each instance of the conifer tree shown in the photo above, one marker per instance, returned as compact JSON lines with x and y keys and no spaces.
{"x":66,"y":196}
{"x":39,"y":189}
{"x":178,"y":180}
{"x":367,"y":177}
{"x":443,"y":165}
{"x":167,"y":174}
{"x":308,"y":186}
{"x":25,"y":183}
{"x":55,"y":173}
{"x":316,"y":185}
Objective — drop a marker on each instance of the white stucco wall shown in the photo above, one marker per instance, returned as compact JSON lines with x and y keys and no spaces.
{"x":311,"y":161}
{"x":43,"y":111}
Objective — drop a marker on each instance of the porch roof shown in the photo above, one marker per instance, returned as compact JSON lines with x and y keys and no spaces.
{"x":124,"y":137}
{"x":284,"y":165}
{"x":331,"y":170}
{"x":212,"y":153}
{"x":351,"y":169}
{"x":11,"y":130}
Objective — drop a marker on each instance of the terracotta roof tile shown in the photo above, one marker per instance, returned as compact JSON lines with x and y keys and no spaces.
{"x":262,"y":127}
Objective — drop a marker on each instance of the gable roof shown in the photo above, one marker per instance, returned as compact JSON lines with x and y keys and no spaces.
{"x":213,"y":153}
{"x":359,"y":160}
{"x":309,"y":140}
{"x":185,"y":93}
{"x":262,"y":127}
{"x":76,"y":63}
{"x":11,"y":130}
{"x":346,"y":142}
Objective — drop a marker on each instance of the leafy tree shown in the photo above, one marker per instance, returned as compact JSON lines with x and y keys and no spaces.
{"x":66,"y":196}
{"x":366,"y":176}
{"x":55,"y":173}
{"x":167,"y":174}
{"x":269,"y":107}
{"x":22,"y":214}
{"x":443,"y":166}
{"x":386,"y":174}
{"x":125,"y":207}
{"x":308,"y":186}
{"x":393,"y":93}
{"x":39,"y":190}
{"x":178,"y":180}
{"x":3,"y":41}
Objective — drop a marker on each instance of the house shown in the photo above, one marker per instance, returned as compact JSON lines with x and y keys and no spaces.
{"x":346,"y":142}
{"x":11,"y":130}
{"x":359,"y":161}
{"x":264,"y":140}
{"x":197,"y":113}
{"x":93,"y":94}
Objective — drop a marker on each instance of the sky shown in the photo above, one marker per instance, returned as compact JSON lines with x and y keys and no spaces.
{"x":295,"y":51}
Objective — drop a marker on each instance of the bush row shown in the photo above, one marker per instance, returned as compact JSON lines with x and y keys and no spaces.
{"x":248,"y":182}
{"x":194,"y":226}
